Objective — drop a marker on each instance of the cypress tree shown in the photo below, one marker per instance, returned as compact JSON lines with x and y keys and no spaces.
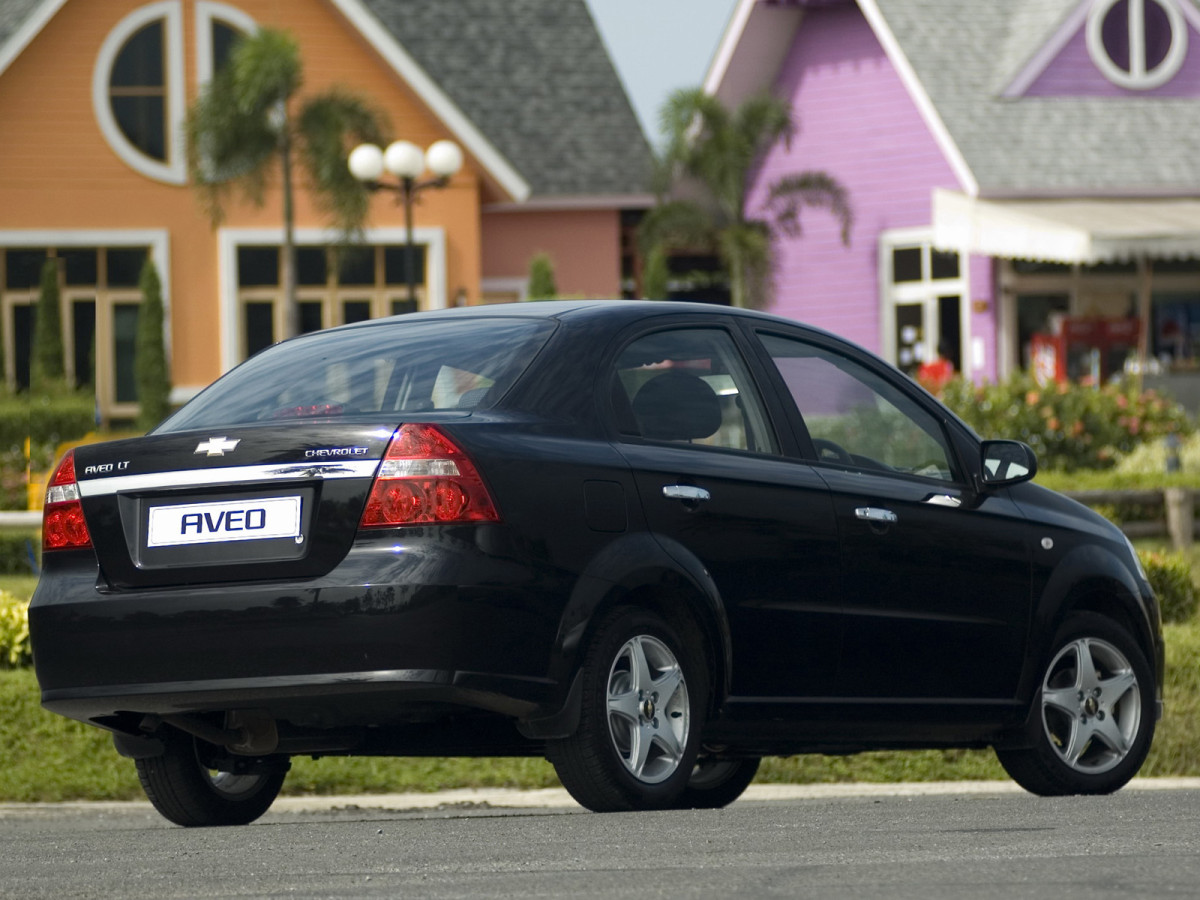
{"x":46,"y":366}
{"x":149,"y":355}
{"x":541,"y":278}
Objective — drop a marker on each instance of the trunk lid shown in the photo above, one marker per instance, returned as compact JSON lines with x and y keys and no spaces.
{"x":235,"y":504}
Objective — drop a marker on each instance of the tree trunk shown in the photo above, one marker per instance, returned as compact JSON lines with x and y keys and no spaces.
{"x":291,"y":315}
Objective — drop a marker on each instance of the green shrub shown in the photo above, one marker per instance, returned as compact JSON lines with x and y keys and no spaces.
{"x":1070,"y":426}
{"x":19,"y":552}
{"x":14,"y":632}
{"x":1170,"y":575}
{"x":45,"y":421}
{"x":542,"y":284}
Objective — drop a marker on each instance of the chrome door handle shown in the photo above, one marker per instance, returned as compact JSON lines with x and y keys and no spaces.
{"x":685,"y":492}
{"x":875,"y":514}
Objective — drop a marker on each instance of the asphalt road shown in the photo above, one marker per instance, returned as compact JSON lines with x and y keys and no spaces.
{"x":998,"y":843}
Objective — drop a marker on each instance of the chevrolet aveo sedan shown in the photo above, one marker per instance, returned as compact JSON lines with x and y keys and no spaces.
{"x":652,"y":542}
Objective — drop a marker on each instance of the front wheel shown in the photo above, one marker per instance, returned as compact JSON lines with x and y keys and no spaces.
{"x":1093,"y":717}
{"x":644,"y":695}
{"x":183,"y":788}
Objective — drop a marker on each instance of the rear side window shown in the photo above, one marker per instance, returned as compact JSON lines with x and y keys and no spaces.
{"x":404,"y":367}
{"x":689,"y":386}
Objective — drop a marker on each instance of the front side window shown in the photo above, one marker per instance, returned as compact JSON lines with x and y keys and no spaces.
{"x":689,"y":386}
{"x":855,"y":417}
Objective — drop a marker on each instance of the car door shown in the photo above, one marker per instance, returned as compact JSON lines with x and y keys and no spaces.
{"x":936,"y":578}
{"x":714,"y":486}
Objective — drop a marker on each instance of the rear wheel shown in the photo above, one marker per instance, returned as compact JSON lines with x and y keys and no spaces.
{"x":183,"y":788}
{"x":644,"y":692}
{"x":717,"y":782}
{"x":1093,"y":717}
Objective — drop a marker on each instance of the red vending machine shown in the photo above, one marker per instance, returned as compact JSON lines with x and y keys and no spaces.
{"x":1078,"y":348}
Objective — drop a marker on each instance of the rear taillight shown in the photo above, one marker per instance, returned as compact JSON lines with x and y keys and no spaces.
{"x":63,"y":525}
{"x":426,"y":479}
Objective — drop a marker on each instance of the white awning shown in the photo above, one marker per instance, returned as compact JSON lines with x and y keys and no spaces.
{"x":1066,"y":231}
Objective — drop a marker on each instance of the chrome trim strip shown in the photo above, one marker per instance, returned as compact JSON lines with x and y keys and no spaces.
{"x":233,"y":475}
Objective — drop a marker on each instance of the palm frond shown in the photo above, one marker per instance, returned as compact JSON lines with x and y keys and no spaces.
{"x":266,"y":70}
{"x":814,"y":189}
{"x":678,"y":225}
{"x":329,"y":126}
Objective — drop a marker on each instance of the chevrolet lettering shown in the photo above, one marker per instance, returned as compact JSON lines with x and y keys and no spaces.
{"x":650,"y":542}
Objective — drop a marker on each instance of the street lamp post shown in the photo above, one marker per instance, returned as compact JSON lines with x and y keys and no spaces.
{"x":406,"y":161}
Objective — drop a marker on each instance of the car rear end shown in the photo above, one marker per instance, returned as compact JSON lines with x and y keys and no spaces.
{"x":306,"y":542}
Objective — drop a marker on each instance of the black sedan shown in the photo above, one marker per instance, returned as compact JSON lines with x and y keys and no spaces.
{"x":653,"y":542}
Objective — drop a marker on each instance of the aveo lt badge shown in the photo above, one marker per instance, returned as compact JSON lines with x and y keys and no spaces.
{"x":217,"y":446}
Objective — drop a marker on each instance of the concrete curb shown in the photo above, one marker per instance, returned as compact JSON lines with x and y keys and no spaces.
{"x":557,"y":798}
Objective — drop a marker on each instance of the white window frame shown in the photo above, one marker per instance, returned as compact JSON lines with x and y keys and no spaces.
{"x":174,"y":170}
{"x":159,"y":243}
{"x":925,"y":292}
{"x":230,"y":239}
{"x":208,"y":11}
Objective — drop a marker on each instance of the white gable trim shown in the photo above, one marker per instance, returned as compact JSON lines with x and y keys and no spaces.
{"x":1049,"y":51}
{"x":438,"y":102}
{"x":718,"y":67}
{"x":20,"y":38}
{"x":916,"y":90}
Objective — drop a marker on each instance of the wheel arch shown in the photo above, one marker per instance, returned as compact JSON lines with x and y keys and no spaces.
{"x":645,"y":570}
{"x":1091,"y":579}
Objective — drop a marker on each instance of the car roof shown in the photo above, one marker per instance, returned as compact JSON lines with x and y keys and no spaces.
{"x":574,"y":310}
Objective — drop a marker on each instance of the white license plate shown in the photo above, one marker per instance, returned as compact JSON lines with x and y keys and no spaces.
{"x":226,"y":520}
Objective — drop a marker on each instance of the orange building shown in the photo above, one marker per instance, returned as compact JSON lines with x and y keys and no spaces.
{"x":93,"y":171}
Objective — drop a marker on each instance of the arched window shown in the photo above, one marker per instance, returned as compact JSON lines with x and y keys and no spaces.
{"x":218,"y":26}
{"x":138,"y":91}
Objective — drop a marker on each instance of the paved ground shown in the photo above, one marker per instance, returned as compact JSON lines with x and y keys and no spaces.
{"x":557,"y":798}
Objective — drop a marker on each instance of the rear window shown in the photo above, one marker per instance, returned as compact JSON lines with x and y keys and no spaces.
{"x":406,"y":367}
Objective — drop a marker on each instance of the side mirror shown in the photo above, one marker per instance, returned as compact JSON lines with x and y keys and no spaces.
{"x":1006,"y":462}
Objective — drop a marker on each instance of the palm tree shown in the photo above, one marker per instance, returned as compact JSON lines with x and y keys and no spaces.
{"x":248,"y":118}
{"x":714,"y":149}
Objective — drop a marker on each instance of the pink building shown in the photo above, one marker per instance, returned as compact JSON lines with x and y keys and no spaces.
{"x":1010,"y":165}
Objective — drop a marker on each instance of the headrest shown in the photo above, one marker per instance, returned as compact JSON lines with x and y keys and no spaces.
{"x":676,"y":406}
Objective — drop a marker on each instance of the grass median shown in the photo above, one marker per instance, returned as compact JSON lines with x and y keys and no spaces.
{"x":44,"y":757}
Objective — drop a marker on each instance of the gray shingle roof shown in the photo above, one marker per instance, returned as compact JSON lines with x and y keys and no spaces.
{"x":12,"y":14}
{"x":965,"y":52}
{"x":533,"y":76}
{"x":535,"y":79}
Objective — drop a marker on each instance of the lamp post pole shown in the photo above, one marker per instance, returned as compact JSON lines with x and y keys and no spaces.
{"x":406,"y":161}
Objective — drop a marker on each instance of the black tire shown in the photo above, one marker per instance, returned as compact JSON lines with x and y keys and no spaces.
{"x":185,"y":791}
{"x":717,"y":782}
{"x":1093,"y":716}
{"x":642,"y":710}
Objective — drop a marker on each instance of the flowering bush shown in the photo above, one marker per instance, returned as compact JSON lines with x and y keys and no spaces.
{"x":14,"y":632}
{"x":1069,"y":425}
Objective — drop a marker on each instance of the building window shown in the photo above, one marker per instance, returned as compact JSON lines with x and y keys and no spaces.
{"x":218,"y":26}
{"x":333,"y":287}
{"x":100,"y":301}
{"x":138,"y":91}
{"x":923,"y":293}
{"x":1137,"y":44}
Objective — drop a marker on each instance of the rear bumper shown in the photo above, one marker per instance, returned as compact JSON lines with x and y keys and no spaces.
{"x":384,"y":638}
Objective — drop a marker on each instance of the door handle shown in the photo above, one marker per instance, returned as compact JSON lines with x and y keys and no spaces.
{"x":685,"y":492}
{"x":877,"y":515}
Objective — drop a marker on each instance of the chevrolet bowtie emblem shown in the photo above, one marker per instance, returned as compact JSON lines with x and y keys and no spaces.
{"x":216,"y":446}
